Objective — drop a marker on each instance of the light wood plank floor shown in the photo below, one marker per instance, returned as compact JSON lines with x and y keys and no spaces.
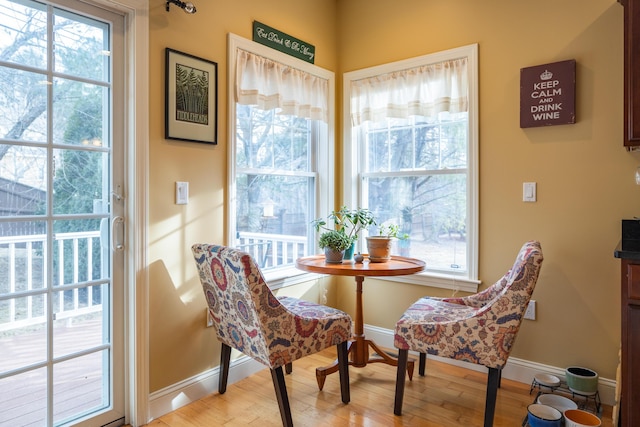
{"x":447,"y":396}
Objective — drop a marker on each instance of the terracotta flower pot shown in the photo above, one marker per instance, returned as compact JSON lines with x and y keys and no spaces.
{"x":379,"y":248}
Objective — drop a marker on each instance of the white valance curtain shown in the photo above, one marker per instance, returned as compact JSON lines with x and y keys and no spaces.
{"x":423,"y":91}
{"x":269,"y":84}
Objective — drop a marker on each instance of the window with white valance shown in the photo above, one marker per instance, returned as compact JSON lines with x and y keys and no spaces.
{"x":281,"y":150}
{"x":410,"y":156}
{"x":268,"y":84}
{"x":421,"y":91}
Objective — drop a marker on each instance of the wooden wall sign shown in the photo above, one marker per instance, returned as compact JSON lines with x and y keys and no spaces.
{"x":548,"y":94}
{"x":278,"y":40}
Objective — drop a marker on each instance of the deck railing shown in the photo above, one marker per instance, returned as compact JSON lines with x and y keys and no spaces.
{"x":272,"y":250}
{"x":21,"y":285}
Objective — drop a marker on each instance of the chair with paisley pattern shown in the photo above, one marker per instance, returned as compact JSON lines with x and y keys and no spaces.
{"x":274,"y":331}
{"x":479,"y":328}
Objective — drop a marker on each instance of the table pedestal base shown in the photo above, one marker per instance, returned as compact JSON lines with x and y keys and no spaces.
{"x":359,"y":358}
{"x":358,"y":345}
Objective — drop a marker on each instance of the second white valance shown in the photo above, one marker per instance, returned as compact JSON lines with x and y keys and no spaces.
{"x":423,"y":91}
{"x":269,"y":84}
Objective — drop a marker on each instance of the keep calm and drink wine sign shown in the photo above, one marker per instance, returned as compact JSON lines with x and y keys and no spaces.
{"x":548,"y":94}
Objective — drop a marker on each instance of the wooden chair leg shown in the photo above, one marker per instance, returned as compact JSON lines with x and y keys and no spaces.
{"x":493,"y":382}
{"x":403,"y":357}
{"x":225,"y":357}
{"x":343,"y":368}
{"x":422,"y":363}
{"x":288,"y":368}
{"x":281,"y":395}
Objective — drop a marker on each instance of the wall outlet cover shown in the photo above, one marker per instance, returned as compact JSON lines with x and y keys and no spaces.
{"x":530,"y":313}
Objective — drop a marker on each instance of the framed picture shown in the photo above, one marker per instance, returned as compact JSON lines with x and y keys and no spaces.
{"x":191,"y":98}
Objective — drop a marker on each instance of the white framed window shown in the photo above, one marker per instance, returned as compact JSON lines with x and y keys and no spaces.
{"x":281,"y":121}
{"x":411,"y":157}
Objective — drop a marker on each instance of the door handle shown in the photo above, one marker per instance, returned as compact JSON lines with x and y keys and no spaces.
{"x":116,"y":244}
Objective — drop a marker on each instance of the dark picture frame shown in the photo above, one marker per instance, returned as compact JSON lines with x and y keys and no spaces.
{"x":191,"y":98}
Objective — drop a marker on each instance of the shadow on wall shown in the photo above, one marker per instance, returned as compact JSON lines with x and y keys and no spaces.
{"x":178,"y":336}
{"x":180,"y":344}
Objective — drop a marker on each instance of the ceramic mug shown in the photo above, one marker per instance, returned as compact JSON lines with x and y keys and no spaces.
{"x":581,"y":380}
{"x":580,"y":418}
{"x":543,"y":416}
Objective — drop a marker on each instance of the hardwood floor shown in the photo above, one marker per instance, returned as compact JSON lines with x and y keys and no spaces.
{"x":447,"y":396}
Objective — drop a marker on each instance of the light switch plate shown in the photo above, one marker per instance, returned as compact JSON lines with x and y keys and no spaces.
{"x":529,"y":192}
{"x":182,"y":193}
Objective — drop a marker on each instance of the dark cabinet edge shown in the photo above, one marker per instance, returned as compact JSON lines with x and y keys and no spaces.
{"x":625,"y":254}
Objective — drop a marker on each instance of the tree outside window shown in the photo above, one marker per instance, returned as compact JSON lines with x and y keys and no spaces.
{"x":411,"y":151}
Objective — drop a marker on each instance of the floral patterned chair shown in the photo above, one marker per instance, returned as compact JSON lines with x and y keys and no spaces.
{"x":273,"y":331}
{"x":479,"y":329}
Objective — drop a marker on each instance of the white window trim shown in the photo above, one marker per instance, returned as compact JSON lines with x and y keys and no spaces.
{"x":286,"y":276}
{"x":351,"y":178}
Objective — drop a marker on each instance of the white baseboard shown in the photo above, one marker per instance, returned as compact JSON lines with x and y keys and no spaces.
{"x":170,"y":398}
{"x":180,"y":394}
{"x":516,"y":369}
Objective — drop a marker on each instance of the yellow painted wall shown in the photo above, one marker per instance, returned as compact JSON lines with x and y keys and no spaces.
{"x":179,"y":344}
{"x":584,"y":175}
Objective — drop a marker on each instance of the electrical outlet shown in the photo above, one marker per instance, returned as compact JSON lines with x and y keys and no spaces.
{"x":209,"y":318}
{"x":531,"y":310}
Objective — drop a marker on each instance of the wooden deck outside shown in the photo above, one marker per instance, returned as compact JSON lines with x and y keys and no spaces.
{"x":77,"y":383}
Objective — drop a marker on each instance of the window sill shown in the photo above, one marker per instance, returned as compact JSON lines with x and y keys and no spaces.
{"x":287,"y":276}
{"x":290,"y":276}
{"x":433,"y":280}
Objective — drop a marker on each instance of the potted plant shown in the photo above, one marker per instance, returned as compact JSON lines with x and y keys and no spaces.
{"x":334,"y":243}
{"x":379,"y":246}
{"x":350,"y":222}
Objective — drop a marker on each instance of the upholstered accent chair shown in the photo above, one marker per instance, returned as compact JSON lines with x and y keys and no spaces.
{"x":479,"y":329}
{"x":273,"y":331}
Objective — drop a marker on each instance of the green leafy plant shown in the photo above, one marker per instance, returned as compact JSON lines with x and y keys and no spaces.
{"x":353,"y":221}
{"x":348,"y":221}
{"x":391,"y":230}
{"x":334,"y":239}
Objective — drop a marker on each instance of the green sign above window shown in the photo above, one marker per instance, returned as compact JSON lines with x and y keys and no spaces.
{"x":278,"y":40}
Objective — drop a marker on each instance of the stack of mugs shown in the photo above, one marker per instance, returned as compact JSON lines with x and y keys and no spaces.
{"x":546,"y":415}
{"x":551,"y":410}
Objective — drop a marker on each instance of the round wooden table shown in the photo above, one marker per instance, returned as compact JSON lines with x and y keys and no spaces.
{"x":359,"y":345}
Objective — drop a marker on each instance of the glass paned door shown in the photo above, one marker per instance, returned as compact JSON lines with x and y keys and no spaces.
{"x":61,"y":207}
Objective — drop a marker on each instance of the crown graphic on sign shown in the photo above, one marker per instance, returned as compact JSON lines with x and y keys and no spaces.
{"x":546,"y":75}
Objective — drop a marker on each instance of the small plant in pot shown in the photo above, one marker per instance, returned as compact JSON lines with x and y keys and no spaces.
{"x":334,"y":243}
{"x":379,"y":246}
{"x":348,"y":221}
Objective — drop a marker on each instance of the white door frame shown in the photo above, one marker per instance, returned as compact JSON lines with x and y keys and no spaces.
{"x":136,"y":35}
